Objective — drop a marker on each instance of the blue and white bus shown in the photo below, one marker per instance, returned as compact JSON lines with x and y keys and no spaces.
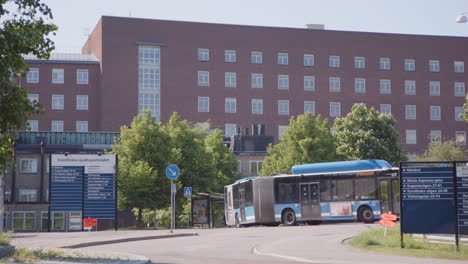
{"x":347,"y":190}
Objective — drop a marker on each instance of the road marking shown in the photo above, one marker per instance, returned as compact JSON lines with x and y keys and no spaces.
{"x":298,"y":259}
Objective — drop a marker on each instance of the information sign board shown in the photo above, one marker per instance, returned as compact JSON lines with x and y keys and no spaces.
{"x":428,"y":202}
{"x":462,"y":184}
{"x":66,"y":188}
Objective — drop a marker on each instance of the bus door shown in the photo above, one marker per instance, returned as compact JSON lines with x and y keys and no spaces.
{"x":310,"y":201}
{"x":228,"y":205}
{"x":395,"y":196}
{"x":242,"y":202}
{"x":384,"y":191}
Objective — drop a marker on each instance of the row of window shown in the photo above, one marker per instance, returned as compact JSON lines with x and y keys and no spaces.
{"x":385,"y":85}
{"x":334,"y":61}
{"x":255,"y":166}
{"x":435,"y":136}
{"x":58,"y":101}
{"x":57,"y":126}
{"x":26,"y":221}
{"x":58,"y":76}
{"x":230,"y":106}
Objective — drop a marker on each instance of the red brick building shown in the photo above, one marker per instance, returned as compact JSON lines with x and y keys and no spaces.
{"x":239,"y":77}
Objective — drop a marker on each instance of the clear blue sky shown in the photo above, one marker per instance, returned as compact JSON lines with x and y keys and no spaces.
{"x":429,"y":17}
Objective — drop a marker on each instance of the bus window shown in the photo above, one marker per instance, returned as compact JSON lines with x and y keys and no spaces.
{"x":344,"y":190}
{"x":325,"y":190}
{"x":248,"y":194}
{"x":235,"y":195}
{"x":365,"y":189}
{"x":383,"y":187}
{"x":287,"y":193}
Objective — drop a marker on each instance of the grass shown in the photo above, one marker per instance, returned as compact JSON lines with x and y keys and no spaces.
{"x":5,"y":238}
{"x":375,"y":240}
{"x":23,"y":255}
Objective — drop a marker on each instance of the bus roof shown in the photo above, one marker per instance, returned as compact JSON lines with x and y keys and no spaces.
{"x":244,"y":179}
{"x":336,"y":172}
{"x":340,"y":166}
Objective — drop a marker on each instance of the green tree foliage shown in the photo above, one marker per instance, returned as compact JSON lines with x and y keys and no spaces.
{"x":307,"y":140}
{"x":146,"y":148}
{"x":444,"y":151}
{"x":465,"y":116}
{"x":366,"y":134}
{"x":22,"y":31}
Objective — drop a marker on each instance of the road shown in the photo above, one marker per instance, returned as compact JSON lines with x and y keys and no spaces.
{"x":254,"y":245}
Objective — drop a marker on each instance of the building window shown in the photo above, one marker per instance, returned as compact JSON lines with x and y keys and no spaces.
{"x":229,"y":56}
{"x":411,"y":136}
{"x":203,"y":125}
{"x":203,"y":104}
{"x":57,"y":101}
{"x":385,"y":87}
{"x":28,"y":166}
{"x":283,"y":107}
{"x":459,"y":111}
{"x":410,"y":65}
{"x":33,"y":98}
{"x":335,"y":109}
{"x":359,"y":85}
{"x":309,"y":60}
{"x":257,"y":80}
{"x":384,"y":64}
{"x":256,"y":57}
{"x":57,"y":126}
{"x":386,"y":109}
{"x":81,"y":126}
{"x":435,"y":112}
{"x":24,"y":221}
{"x":230,"y":105}
{"x":335,"y":84}
{"x":334,"y":61}
{"x":410,"y":87}
{"x":81,"y":102}
{"x":44,"y":221}
{"x":57,"y":76}
{"x":203,"y":78}
{"x":434,"y":88}
{"x":283,"y":59}
{"x":281,"y":130}
{"x":257,"y":106}
{"x":283,"y":82}
{"x":255,"y":167}
{"x":459,"y":66}
{"x":230,"y":79}
{"x":239,"y":166}
{"x":459,"y":89}
{"x":33,"y":75}
{"x":33,"y":125}
{"x":58,"y":221}
{"x":435,"y":136}
{"x":309,"y":107}
{"x":27,"y":195}
{"x":203,"y":54}
{"x":434,"y":66}
{"x":359,"y":62}
{"x":82,"y":76}
{"x":309,"y":83}
{"x":229,"y":130}
{"x":410,"y":112}
{"x":149,"y":80}
{"x":460,"y":138}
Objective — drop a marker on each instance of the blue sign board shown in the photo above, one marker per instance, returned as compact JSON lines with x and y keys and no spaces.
{"x":187,"y":191}
{"x":428,"y":200}
{"x":66,"y":188}
{"x":99,"y":195}
{"x":462,"y":184}
{"x":172,"y":171}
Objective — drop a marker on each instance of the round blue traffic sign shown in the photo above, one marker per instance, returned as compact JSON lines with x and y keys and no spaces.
{"x":172,"y":171}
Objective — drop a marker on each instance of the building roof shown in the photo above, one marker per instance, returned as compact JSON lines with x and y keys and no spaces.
{"x":74,"y":58}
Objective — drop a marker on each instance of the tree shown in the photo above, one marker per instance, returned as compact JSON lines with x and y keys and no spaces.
{"x":367,"y":134}
{"x":307,"y":140}
{"x":465,"y":116}
{"x":443,"y":151}
{"x":22,"y":32}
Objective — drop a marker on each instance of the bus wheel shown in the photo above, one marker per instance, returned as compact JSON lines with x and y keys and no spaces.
{"x":366,"y":215}
{"x":288,"y":218}
{"x":237,"y":221}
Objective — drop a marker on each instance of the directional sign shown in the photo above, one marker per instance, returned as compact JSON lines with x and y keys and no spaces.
{"x":388,"y":217}
{"x":172,"y":171}
{"x":187,"y":191}
{"x":387,"y":223}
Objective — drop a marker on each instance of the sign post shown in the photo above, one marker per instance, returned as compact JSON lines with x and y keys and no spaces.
{"x":172,"y":172}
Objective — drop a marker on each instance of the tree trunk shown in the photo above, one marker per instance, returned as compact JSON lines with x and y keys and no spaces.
{"x":140,"y":218}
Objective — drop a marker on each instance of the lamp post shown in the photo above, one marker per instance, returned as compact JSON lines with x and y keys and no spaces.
{"x":461,"y":18}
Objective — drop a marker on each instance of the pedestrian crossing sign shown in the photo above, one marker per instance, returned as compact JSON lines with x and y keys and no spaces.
{"x":187,"y":191}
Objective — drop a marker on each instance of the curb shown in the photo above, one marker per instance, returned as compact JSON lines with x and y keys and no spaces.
{"x":5,"y":251}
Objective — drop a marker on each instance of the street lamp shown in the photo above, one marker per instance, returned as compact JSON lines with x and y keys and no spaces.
{"x":461,"y":18}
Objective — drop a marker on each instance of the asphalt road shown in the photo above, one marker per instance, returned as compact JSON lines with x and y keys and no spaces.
{"x":253,"y":245}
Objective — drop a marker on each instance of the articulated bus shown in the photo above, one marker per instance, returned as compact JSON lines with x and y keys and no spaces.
{"x":347,"y":190}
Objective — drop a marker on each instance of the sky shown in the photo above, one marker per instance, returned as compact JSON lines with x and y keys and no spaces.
{"x":77,"y":18}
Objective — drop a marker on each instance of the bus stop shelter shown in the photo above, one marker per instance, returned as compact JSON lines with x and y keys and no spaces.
{"x":208,"y":210}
